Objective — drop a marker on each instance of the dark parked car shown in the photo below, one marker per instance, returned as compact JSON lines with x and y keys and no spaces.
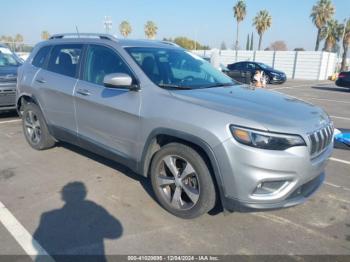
{"x":244,"y":72}
{"x":343,"y":79}
{"x":9,"y":62}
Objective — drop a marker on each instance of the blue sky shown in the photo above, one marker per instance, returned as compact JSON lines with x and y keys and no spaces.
{"x":209,"y":21}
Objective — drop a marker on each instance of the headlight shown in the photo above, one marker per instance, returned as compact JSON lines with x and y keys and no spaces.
{"x":266,"y":140}
{"x":275,"y":74}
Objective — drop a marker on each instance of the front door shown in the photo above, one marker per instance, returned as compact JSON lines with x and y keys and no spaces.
{"x":107,"y":118}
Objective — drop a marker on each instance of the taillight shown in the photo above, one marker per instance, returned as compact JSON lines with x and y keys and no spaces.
{"x":341,"y":75}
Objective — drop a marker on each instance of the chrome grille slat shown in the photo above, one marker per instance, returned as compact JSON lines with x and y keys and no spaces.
{"x":320,"y":140}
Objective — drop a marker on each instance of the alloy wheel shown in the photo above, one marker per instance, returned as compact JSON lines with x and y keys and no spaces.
{"x":178,"y":182}
{"x":32,"y":127}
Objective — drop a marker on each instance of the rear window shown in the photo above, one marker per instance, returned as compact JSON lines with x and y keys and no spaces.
{"x":40,"y":58}
{"x":64,"y":59}
{"x":7,"y":58}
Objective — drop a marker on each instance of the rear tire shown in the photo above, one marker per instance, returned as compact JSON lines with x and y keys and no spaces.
{"x":35,"y":129}
{"x":182,"y":181}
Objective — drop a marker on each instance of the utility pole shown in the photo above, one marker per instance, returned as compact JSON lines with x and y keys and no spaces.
{"x":107,"y":24}
{"x":342,"y":46}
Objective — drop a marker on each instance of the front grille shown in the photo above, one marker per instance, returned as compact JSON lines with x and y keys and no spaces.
{"x":7,"y":97}
{"x":320,"y":140}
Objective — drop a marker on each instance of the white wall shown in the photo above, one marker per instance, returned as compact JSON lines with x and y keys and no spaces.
{"x":297,"y":65}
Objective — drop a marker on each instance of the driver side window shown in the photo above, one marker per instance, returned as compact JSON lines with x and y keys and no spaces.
{"x":101,"y":61}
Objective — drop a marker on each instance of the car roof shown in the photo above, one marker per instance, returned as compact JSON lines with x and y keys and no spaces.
{"x":103,"y":38}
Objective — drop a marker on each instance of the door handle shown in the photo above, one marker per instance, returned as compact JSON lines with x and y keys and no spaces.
{"x":41,"y":81}
{"x":83,"y":92}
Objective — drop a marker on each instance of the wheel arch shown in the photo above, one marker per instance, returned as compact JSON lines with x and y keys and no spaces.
{"x":24,"y":99}
{"x":162,"y":136}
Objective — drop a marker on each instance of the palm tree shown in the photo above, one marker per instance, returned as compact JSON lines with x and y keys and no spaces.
{"x":125,"y":28}
{"x":321,"y":13}
{"x":346,"y":44}
{"x":332,"y":34}
{"x":240,"y":12}
{"x":262,"y":22}
{"x":45,"y":35}
{"x":151,"y":30}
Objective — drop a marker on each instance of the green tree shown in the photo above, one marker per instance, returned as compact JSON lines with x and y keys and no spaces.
{"x":125,"y":28}
{"x":240,"y":11}
{"x":45,"y":35}
{"x":151,"y":30}
{"x":321,"y":13}
{"x":247,"y":44}
{"x":346,"y":44}
{"x":331,"y":34}
{"x":262,"y":21}
{"x":189,"y":44}
{"x":252,"y":42}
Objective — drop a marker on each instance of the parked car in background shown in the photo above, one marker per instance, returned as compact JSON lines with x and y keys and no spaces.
{"x":343,"y":79}
{"x":9,"y":63}
{"x":244,"y":71}
{"x":170,"y":116}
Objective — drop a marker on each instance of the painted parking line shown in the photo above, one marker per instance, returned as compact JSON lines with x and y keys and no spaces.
{"x":340,"y":160}
{"x":336,"y":186}
{"x":324,"y":99}
{"x":21,"y":235}
{"x":341,"y":117}
{"x":10,"y":121}
{"x":291,"y":87}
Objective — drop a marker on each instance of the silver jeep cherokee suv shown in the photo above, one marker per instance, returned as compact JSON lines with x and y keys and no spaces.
{"x":169,"y":115}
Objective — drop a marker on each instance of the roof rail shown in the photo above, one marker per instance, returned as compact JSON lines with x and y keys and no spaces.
{"x":81,"y":35}
{"x":169,"y":43}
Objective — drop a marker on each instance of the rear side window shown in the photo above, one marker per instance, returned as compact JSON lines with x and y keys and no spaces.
{"x":40,"y":58}
{"x":101,"y":61}
{"x":235,"y":66}
{"x":64,"y":59}
{"x":250,"y":66}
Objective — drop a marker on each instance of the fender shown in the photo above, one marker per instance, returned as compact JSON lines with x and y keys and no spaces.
{"x":147,"y":154}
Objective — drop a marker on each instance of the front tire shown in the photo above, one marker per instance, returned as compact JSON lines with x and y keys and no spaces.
{"x":35,"y":129}
{"x":182,"y":181}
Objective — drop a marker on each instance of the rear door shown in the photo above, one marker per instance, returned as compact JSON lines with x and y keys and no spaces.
{"x":247,"y":72}
{"x":107,"y":118}
{"x":235,"y":71}
{"x":55,"y":84}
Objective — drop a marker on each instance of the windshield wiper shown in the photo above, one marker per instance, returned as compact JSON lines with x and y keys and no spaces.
{"x":174,"y":86}
{"x":219,"y":85}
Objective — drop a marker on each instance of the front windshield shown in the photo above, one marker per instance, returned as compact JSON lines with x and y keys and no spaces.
{"x":176,"y":68}
{"x":7,"y":58}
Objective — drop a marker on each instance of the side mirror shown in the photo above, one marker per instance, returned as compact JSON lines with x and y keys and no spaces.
{"x":119,"y":80}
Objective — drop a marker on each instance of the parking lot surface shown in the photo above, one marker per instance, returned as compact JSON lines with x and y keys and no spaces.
{"x":45,"y":193}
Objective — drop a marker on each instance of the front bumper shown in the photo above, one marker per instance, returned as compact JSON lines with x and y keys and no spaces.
{"x":342,"y":82}
{"x":7,"y":96}
{"x":278,"y":79}
{"x":243,"y":169}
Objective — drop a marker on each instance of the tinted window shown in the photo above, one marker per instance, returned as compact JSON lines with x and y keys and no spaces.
{"x":64,"y":59}
{"x":236,"y":66}
{"x":101,"y":61}
{"x":40,"y":57}
{"x":250,"y":66}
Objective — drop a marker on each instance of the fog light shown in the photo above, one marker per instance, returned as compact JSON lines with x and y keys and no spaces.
{"x":270,"y":187}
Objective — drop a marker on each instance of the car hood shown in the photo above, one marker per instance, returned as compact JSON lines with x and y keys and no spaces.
{"x":259,"y":107}
{"x":8,"y":70}
{"x":275,"y":71}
